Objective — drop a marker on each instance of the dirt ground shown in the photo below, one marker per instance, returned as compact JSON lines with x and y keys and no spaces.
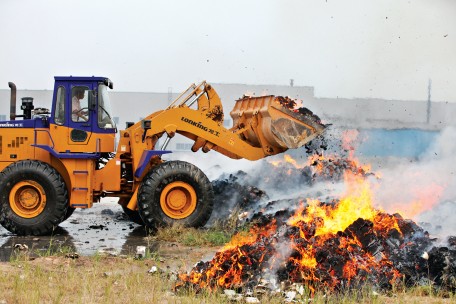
{"x":60,"y":279}
{"x":103,"y":229}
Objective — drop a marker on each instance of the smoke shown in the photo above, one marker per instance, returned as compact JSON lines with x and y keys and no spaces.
{"x":213,"y":164}
{"x":283,"y":250}
{"x":424,"y":189}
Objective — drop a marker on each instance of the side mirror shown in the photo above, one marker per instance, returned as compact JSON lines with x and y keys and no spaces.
{"x":146,"y":124}
{"x":108,"y":83}
{"x":92,"y":100}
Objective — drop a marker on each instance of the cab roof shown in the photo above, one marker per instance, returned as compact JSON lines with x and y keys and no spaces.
{"x":105,"y":80}
{"x":81,"y":78}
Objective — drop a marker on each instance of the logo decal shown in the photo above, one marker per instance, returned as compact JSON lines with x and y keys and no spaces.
{"x":200,"y":126}
{"x":11,"y":125}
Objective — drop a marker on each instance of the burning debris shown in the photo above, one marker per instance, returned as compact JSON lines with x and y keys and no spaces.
{"x":239,"y":195}
{"x":334,"y":245}
{"x":322,"y":247}
{"x":334,"y":168}
{"x":321,"y":160}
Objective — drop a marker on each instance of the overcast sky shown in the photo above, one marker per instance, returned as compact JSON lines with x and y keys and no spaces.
{"x":357,"y":48}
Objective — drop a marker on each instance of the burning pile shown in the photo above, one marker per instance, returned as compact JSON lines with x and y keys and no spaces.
{"x":335,"y":245}
{"x":330,"y":246}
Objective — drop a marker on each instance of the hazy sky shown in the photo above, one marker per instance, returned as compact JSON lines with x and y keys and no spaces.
{"x":386,"y":49}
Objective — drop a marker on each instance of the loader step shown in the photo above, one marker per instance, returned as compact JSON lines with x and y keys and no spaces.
{"x":82,"y":172}
{"x":80,"y":189}
{"x":67,"y":154}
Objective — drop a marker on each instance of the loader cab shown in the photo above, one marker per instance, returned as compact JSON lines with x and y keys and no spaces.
{"x":81,"y":118}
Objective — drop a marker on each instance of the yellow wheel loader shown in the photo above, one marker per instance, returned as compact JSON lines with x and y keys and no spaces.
{"x":53,"y":161}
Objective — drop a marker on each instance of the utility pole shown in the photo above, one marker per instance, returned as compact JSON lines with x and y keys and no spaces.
{"x":428,"y":111}
{"x":170,"y":95}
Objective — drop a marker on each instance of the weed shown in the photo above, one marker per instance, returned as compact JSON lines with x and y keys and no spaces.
{"x":192,"y":236}
{"x":100,"y":279}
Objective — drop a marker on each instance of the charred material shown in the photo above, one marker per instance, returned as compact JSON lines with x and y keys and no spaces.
{"x":309,"y":246}
{"x":383,"y":251}
{"x":233,"y":197}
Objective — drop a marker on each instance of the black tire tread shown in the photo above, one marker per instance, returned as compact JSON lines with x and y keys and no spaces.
{"x":165,"y":173}
{"x":54,"y":212}
{"x":69,"y":212}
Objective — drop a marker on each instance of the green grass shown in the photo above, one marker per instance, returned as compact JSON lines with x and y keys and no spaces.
{"x":89,"y":280}
{"x":125,"y":280}
{"x":53,"y":249}
{"x":50,"y":277}
{"x":192,"y":236}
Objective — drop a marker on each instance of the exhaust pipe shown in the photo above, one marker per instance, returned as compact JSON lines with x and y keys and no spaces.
{"x":13,"y":101}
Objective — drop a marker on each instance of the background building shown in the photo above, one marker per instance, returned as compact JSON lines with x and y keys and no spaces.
{"x":394,"y":127}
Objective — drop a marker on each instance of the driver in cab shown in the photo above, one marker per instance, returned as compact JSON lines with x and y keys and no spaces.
{"x":77,"y":113}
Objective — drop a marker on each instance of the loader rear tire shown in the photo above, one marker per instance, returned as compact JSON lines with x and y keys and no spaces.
{"x":69,"y":212}
{"x":33,"y":198}
{"x":175,"y":192}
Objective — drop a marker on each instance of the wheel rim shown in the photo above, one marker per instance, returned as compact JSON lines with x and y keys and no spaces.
{"x":178,"y":200}
{"x":27,"y":199}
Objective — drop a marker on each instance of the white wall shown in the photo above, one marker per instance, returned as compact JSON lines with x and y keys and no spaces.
{"x":365,"y":113}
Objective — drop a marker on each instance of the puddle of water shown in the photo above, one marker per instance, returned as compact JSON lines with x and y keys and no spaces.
{"x":103,"y":227}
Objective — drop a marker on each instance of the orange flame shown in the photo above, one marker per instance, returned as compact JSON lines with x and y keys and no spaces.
{"x":356,"y":203}
{"x":419,"y":199}
{"x":254,"y":233}
{"x":314,"y":224}
{"x":348,"y":140}
{"x":328,"y":220}
{"x":287,"y":159}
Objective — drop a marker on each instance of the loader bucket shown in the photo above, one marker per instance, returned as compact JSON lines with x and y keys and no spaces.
{"x":268,"y":121}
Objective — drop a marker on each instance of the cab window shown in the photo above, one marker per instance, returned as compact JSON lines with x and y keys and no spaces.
{"x":79,"y":104}
{"x":105,"y":120}
{"x":60,"y":106}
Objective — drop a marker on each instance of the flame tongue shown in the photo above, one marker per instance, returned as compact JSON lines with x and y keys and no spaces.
{"x":334,"y":243}
{"x":235,"y":264}
{"x":357,"y":203}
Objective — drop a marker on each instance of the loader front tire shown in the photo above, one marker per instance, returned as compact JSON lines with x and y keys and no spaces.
{"x":175,"y":192}
{"x":133,"y":215}
{"x":33,"y":198}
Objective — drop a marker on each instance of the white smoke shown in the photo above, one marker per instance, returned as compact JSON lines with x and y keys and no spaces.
{"x":424,"y":189}
{"x":213,"y":164}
